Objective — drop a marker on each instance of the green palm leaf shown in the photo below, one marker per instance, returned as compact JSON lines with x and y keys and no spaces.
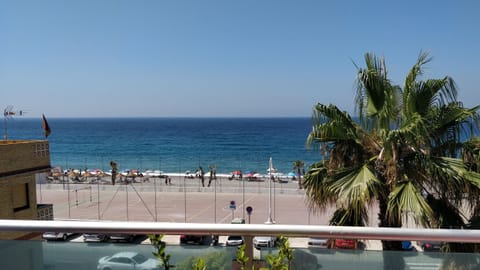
{"x":405,"y":200}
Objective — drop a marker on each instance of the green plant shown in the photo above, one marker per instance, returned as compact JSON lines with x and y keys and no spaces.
{"x":218,"y":260}
{"x":200,"y":265}
{"x":241,"y":257}
{"x":160,"y":253}
{"x":283,"y":259}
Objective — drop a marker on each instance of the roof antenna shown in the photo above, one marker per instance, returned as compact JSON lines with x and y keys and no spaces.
{"x":8,"y":112}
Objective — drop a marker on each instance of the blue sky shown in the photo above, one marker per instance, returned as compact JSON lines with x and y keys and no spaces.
{"x":221,"y":58}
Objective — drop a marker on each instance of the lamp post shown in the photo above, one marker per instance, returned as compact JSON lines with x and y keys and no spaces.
{"x":270,"y":169}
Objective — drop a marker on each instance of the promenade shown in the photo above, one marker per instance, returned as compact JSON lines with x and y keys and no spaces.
{"x":185,"y":200}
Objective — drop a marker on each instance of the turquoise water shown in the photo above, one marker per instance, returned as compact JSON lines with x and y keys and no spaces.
{"x":172,"y":144}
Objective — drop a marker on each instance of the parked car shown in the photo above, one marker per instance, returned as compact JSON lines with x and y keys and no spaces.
{"x":234,"y":240}
{"x":264,"y":241}
{"x":345,"y":243}
{"x":127,"y":260}
{"x":95,"y":237}
{"x":56,"y":235}
{"x":318,"y":242}
{"x":196,"y":239}
{"x":122,"y":237}
{"x":431,"y":246}
{"x":407,"y":245}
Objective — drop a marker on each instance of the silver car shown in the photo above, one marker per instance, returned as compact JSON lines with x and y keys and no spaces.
{"x":234,"y":240}
{"x":264,"y":241}
{"x":127,"y":260}
{"x":56,"y":235}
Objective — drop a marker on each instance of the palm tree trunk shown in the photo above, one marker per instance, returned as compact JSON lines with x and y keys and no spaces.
{"x":299,"y":178}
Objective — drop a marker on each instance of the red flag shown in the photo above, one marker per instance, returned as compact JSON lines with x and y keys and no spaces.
{"x":46,"y":127}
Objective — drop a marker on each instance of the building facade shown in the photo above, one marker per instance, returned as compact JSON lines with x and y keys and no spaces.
{"x":20,"y":162}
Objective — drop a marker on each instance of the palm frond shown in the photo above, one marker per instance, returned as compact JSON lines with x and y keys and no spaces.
{"x":416,"y":70}
{"x":406,"y":199}
{"x":355,"y":185}
{"x":316,"y":187}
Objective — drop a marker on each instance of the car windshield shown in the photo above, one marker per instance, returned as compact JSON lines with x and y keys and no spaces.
{"x":235,"y":237}
{"x":139,"y":258}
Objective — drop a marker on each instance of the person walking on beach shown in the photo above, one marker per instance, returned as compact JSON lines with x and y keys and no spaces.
{"x":202,"y":175}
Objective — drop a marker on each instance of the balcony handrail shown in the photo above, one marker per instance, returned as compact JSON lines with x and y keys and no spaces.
{"x":170,"y":228}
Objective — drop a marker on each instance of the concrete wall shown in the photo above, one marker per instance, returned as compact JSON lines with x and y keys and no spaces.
{"x":23,"y":155}
{"x":20,"y":161}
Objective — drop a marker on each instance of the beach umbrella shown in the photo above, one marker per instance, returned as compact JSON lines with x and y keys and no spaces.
{"x":237,"y":172}
{"x":87,"y":174}
{"x":132,"y":174}
{"x":73,"y":174}
{"x":57,"y":174}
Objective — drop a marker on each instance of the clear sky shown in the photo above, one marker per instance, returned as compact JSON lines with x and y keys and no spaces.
{"x":249,"y":58}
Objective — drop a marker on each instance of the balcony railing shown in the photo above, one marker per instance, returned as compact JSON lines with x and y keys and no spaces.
{"x":57,"y":255}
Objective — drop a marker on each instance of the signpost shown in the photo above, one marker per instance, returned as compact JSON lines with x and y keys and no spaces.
{"x":249,"y":212}
{"x":233,"y":207}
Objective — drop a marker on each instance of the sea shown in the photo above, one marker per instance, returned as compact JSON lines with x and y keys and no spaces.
{"x":172,"y":145}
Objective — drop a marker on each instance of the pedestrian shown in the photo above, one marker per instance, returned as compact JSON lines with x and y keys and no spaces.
{"x":168,"y":180}
{"x":202,"y":175}
{"x":114,"y":167}
{"x":211,"y":177}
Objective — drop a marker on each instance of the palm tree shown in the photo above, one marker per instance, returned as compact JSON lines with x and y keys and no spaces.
{"x":299,"y":165}
{"x":401,"y":154}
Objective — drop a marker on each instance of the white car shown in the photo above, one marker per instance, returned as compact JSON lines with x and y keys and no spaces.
{"x":56,"y":235}
{"x":234,"y":240}
{"x":127,"y":260}
{"x":264,"y":241}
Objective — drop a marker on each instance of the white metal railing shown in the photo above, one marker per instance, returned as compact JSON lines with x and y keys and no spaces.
{"x":248,"y":230}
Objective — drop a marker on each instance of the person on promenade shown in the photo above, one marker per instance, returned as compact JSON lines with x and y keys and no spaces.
{"x":113,"y":164}
{"x":210,"y":178}
{"x":202,"y":175}
{"x":168,"y":180}
{"x":213,"y":174}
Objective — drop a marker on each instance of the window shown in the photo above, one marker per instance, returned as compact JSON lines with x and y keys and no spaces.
{"x":21,"y":198}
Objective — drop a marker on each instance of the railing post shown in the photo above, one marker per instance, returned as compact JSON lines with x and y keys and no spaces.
{"x":249,"y":251}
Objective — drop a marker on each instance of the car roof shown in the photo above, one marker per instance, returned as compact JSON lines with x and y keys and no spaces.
{"x":128,"y":254}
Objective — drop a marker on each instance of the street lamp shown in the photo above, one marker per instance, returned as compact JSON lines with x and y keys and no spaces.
{"x":270,"y":169}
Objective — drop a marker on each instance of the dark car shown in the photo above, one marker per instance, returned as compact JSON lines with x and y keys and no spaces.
{"x":195,"y":239}
{"x":95,"y":237}
{"x":431,"y":246}
{"x":122,"y":237}
{"x":318,"y":242}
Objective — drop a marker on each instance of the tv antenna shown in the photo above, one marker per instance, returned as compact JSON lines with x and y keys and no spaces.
{"x":8,"y":113}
